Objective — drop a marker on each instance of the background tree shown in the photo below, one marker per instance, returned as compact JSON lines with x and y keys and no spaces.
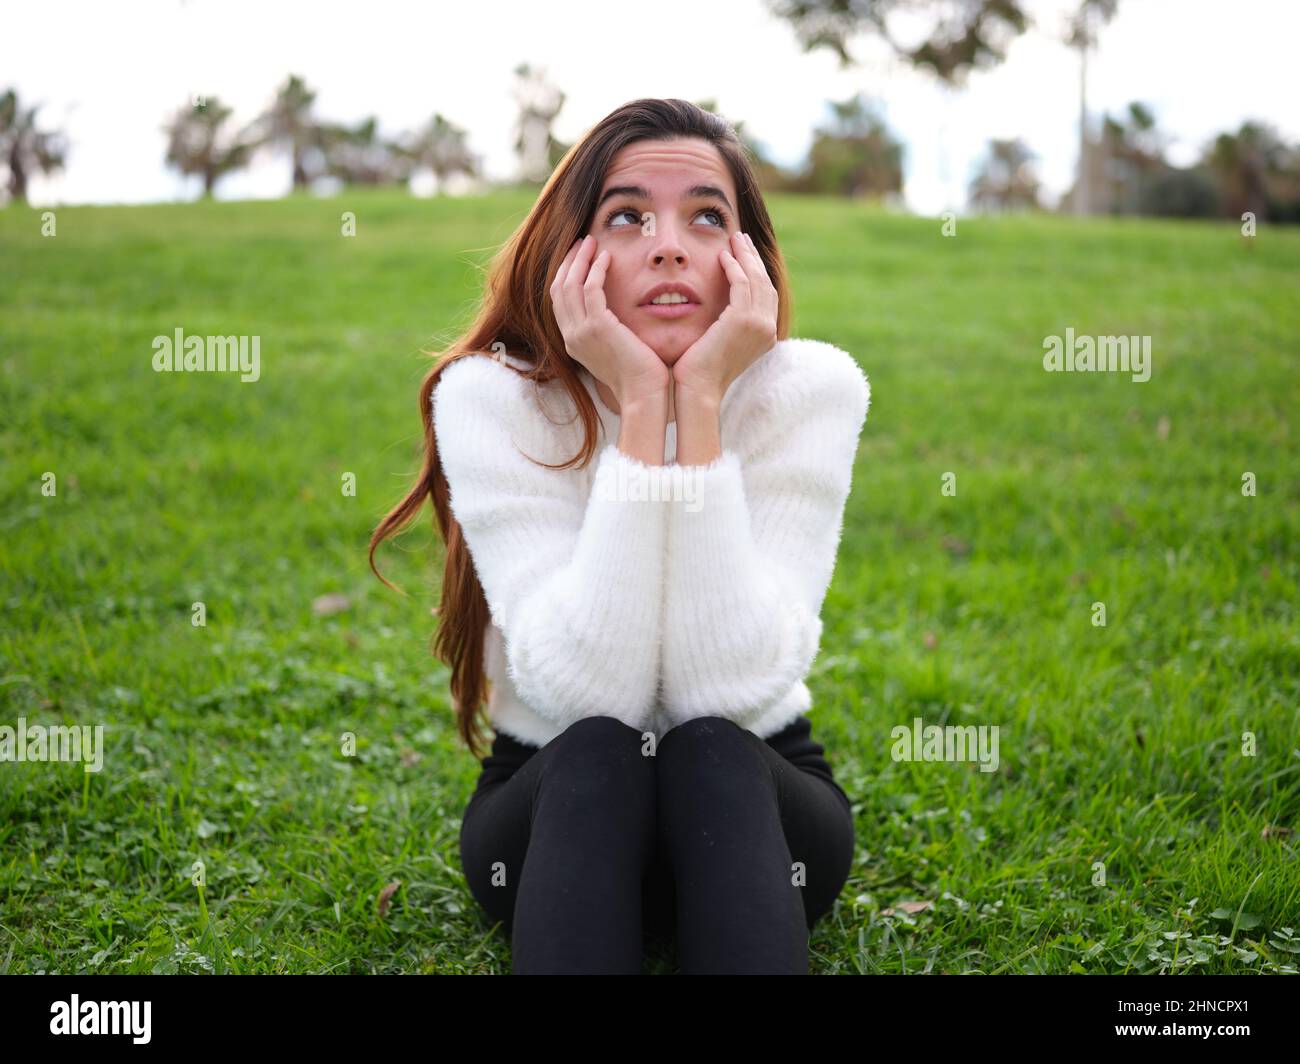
{"x":439,"y":146}
{"x":1081,"y":33}
{"x":1179,"y":193}
{"x":1125,"y":160}
{"x":959,"y":37}
{"x":1006,"y":179}
{"x":358,"y":155}
{"x":199,"y":142}
{"x":289,"y":123}
{"x":770,"y":176}
{"x":25,"y":148}
{"x":1252,"y":169}
{"x":539,"y":102}
{"x":855,"y":155}
{"x":1256,"y":171}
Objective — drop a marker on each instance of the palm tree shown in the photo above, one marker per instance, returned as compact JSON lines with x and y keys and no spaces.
{"x":359,"y":156}
{"x":539,"y":102}
{"x":856,"y":155}
{"x":197,"y":143}
{"x":959,"y":36}
{"x":24,"y":148}
{"x":1006,"y":180}
{"x":438,"y":146}
{"x":288,"y":122}
{"x":1082,"y":34}
{"x":1246,"y":164}
{"x":1132,"y":154}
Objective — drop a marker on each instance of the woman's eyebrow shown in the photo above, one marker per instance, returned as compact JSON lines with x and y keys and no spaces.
{"x":633,"y":191}
{"x":640,"y":192}
{"x":708,"y":192}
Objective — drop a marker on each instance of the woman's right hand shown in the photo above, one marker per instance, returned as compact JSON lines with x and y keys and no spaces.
{"x":593,"y":334}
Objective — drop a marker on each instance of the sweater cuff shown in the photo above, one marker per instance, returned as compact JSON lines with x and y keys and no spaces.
{"x":717,"y":483}
{"x":622,"y":478}
{"x":713,"y":517}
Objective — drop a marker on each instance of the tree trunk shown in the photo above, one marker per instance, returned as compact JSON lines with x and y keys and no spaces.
{"x":17,"y":177}
{"x":1082,"y":201}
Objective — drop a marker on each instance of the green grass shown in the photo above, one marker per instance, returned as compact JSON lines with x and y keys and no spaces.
{"x":1118,"y":744}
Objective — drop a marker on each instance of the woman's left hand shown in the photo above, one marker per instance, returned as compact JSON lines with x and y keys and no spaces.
{"x":745,"y":329}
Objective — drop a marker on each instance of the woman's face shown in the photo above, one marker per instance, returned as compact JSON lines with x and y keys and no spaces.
{"x":666,"y":210}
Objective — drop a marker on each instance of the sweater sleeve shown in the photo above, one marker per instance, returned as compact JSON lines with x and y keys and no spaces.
{"x":752,"y":543}
{"x":573,"y":579}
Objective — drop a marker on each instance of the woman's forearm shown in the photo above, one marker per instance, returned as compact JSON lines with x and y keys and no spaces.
{"x":699,"y":427}
{"x":642,"y":427}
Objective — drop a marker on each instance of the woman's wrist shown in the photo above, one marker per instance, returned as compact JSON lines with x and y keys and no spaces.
{"x":699,"y":425}
{"x":643,"y":424}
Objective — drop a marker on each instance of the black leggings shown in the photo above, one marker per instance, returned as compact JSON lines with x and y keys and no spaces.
{"x":739,"y":844}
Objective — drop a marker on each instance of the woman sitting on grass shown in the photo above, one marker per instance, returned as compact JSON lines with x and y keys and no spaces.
{"x":642,"y":625}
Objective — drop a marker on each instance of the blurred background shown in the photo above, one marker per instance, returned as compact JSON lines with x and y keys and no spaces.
{"x":1175,"y":107}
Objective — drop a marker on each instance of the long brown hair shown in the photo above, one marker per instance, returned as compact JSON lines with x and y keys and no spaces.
{"x":516,"y":316}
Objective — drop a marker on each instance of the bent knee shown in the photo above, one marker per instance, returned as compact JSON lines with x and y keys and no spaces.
{"x":599,"y":752}
{"x":711,"y":749}
{"x":601,"y":736}
{"x":704,"y":731}
{"x":601,"y":724}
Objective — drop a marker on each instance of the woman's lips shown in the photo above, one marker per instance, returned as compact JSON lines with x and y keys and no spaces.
{"x":669,"y":310}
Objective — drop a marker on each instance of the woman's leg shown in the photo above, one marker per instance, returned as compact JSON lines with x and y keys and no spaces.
{"x":759,"y":848}
{"x":558,"y":851}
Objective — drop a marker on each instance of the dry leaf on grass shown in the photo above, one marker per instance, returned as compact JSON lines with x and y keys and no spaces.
{"x":385,"y":896}
{"x":908,"y":907}
{"x":326,"y":605}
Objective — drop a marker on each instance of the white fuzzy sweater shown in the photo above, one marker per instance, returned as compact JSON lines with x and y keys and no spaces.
{"x":652,"y":594}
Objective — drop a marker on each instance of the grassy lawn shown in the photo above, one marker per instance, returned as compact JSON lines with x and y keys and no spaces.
{"x":1124,"y":830}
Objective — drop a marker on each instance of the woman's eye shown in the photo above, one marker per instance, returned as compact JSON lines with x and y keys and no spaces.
{"x":621,"y":211}
{"x":637,"y":219}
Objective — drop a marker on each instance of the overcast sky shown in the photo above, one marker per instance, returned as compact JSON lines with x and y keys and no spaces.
{"x":110,"y":74}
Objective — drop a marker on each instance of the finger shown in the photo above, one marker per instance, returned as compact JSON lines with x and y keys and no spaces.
{"x":570,"y":262}
{"x":573,"y":298}
{"x":593,"y":290}
{"x":758,"y":271}
{"x":558,"y":280}
{"x":749,"y":258}
{"x":762,"y":291}
{"x":765,"y":289}
{"x":744,"y":249}
{"x":741,"y":295}
{"x":557,"y":286}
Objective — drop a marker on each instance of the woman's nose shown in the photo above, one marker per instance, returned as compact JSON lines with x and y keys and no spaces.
{"x":666,"y":246}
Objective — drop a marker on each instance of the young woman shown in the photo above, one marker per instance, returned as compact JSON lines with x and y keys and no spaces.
{"x":643,"y":626}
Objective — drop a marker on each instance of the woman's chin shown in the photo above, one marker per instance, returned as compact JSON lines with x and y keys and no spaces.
{"x":669,"y":340}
